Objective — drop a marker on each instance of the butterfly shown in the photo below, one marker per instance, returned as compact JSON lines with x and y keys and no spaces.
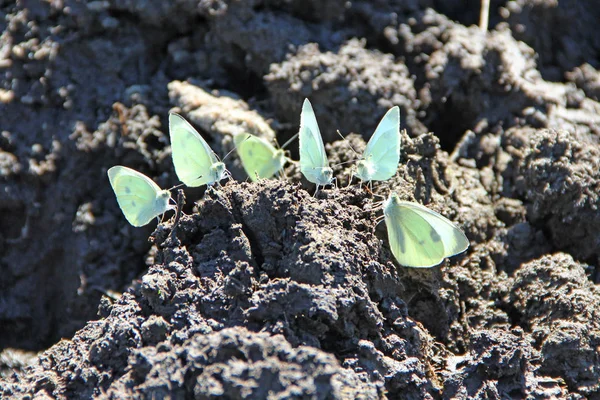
{"x":195,"y":162}
{"x":313,"y":159}
{"x":418,"y":236}
{"x":259,"y":158}
{"x":139,"y":197}
{"x":382,"y":155}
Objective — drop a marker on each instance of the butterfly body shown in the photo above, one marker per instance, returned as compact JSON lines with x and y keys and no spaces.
{"x":195,"y":162}
{"x":418,"y":236}
{"x":140,"y":199}
{"x":382,"y":154}
{"x":313,"y":158}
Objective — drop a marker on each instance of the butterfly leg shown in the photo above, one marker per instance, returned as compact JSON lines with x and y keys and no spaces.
{"x":378,"y":220}
{"x":178,"y":212}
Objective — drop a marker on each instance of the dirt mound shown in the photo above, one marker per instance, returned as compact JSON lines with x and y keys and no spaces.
{"x":263,"y":290}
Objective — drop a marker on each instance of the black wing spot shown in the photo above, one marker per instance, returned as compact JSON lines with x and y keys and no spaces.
{"x":434,"y":235}
{"x":133,"y":203}
{"x":127,"y":190}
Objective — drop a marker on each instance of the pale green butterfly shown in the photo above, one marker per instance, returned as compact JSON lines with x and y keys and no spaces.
{"x":313,"y":159}
{"x":259,"y":158}
{"x":382,"y":155}
{"x":418,"y":236}
{"x":139,"y":197}
{"x":195,"y":162}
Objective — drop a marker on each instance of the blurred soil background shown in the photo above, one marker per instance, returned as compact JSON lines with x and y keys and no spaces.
{"x":266,"y":291}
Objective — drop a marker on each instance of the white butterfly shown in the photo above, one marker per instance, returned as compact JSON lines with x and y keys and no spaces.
{"x":139,"y":197}
{"x":195,"y":162}
{"x":418,"y":236}
{"x":382,"y":155}
{"x":313,"y":159}
{"x":259,"y":158}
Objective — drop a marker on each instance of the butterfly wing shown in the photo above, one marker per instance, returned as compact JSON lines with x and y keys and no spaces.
{"x":313,"y":159}
{"x":419,"y":237}
{"x":140,"y":199}
{"x":192,"y":156}
{"x":382,"y":153}
{"x":259,"y":158}
{"x":453,"y":238}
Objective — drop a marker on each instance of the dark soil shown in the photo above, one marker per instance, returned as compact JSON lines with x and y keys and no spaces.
{"x":264,"y":291}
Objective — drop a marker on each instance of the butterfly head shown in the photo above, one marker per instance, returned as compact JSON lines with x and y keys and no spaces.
{"x":162,"y":200}
{"x":364,"y":170}
{"x":392,"y":201}
{"x":217,"y":171}
{"x":326,"y":176}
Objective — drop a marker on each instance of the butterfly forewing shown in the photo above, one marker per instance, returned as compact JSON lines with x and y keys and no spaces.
{"x":411,"y":240}
{"x":138,"y":196}
{"x":454,"y":240}
{"x":419,"y":237}
{"x":192,"y":156}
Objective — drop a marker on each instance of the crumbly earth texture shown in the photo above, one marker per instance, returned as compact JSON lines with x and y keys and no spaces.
{"x":262,"y":290}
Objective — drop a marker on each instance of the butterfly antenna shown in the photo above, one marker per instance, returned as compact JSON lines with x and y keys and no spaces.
{"x":289,"y":141}
{"x":344,"y":162}
{"x":230,"y":151}
{"x":234,"y":147}
{"x":347,"y":141}
{"x":380,"y":196}
{"x":351,"y":148}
